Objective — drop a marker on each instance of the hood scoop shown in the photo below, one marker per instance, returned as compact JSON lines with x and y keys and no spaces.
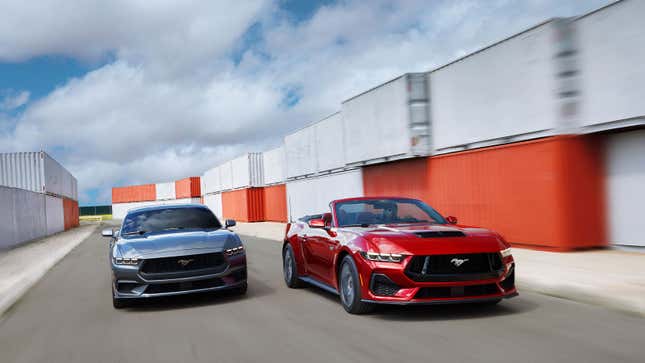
{"x":439,"y":234}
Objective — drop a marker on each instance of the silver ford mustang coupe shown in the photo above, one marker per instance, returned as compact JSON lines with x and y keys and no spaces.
{"x":173,"y":250}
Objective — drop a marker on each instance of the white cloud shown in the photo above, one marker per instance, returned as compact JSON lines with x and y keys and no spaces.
{"x":172,"y":103}
{"x":13,"y":100}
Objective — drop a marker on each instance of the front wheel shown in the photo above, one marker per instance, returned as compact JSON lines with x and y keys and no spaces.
{"x":289,"y":268}
{"x":350,"y":288}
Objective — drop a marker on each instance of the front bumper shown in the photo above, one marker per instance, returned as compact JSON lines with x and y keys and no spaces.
{"x":128,"y":282}
{"x":405,"y":291}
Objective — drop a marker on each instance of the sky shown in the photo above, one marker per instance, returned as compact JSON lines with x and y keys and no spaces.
{"x":126,"y":92}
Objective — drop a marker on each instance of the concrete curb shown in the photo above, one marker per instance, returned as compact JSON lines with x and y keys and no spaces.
{"x":22,"y":267}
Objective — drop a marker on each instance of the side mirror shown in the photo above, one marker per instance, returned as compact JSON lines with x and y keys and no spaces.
{"x":316,"y":223}
{"x":108,"y":232}
{"x":451,"y":220}
{"x":230,"y":223}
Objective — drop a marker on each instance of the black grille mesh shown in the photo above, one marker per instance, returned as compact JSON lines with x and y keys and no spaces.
{"x":453,"y":266}
{"x":183,"y":263}
{"x":381,"y":285}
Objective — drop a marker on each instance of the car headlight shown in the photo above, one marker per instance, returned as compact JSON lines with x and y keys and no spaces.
{"x":505,"y":253}
{"x":125,"y":261}
{"x":234,"y":251}
{"x":382,"y":257}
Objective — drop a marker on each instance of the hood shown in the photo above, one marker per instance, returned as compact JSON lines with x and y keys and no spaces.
{"x":176,"y":243}
{"x":427,"y":239}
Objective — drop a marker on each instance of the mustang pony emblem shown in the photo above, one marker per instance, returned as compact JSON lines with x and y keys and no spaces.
{"x":185,"y":262}
{"x":458,"y":261}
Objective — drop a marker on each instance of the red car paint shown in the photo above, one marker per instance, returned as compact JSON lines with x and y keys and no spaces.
{"x":319,"y":251}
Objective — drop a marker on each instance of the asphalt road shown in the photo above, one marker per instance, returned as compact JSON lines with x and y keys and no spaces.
{"x":68,"y":317}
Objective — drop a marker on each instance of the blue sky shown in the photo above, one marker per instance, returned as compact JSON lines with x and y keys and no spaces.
{"x":176,"y":89}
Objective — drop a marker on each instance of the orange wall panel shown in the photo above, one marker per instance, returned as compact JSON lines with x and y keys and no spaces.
{"x":70,"y":213}
{"x":275,"y":203}
{"x":404,"y":178}
{"x":188,"y":188}
{"x":545,"y":193}
{"x":245,"y":205}
{"x":134,"y":193}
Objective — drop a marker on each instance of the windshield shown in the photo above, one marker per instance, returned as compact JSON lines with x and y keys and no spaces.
{"x":385,"y":211}
{"x":169,"y":219}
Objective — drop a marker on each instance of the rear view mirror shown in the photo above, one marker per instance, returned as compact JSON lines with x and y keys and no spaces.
{"x":230,"y":223}
{"x":316,"y":223}
{"x":451,"y":220}
{"x":107,"y":232}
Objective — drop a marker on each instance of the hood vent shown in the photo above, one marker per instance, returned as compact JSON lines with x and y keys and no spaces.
{"x":440,"y":234}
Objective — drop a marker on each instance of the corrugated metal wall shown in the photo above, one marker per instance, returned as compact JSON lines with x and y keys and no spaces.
{"x":134,"y":193}
{"x":70,"y":212}
{"x":504,"y":90}
{"x":22,"y":216}
{"x":246,"y":205}
{"x":165,"y":191}
{"x":312,"y":196}
{"x":214,"y":203}
{"x":54,"y":215}
{"x":626,"y":187}
{"x":23,"y":171}
{"x":611,"y":64}
{"x":188,"y":187}
{"x":275,"y":203}
{"x":405,"y":178}
{"x":275,"y":166}
{"x":544,"y":193}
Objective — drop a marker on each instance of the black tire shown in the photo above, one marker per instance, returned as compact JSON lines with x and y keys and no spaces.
{"x":350,"y":288}
{"x":289,"y":268}
{"x":240,"y":290}
{"x":118,"y":303}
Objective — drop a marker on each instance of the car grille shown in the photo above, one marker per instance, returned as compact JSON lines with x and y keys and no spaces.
{"x":456,"y":291}
{"x":182,"y":266}
{"x":475,"y":266}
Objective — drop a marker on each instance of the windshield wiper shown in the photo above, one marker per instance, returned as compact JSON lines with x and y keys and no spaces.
{"x":362,"y":225}
{"x":139,"y":232}
{"x":172,"y":228}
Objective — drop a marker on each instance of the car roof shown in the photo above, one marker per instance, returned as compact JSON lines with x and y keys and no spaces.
{"x":166,"y":206}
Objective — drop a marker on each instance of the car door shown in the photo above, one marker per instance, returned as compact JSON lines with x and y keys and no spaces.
{"x":321,"y":246}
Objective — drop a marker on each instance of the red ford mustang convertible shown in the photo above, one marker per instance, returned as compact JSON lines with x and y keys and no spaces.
{"x":396,"y":251}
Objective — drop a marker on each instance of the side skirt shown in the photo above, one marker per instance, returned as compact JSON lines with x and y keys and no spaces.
{"x":318,"y":284}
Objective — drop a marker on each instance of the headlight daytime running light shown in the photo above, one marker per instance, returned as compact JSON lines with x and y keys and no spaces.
{"x":506,"y":252}
{"x":382,"y":257}
{"x":126,"y":261}
{"x":234,"y":251}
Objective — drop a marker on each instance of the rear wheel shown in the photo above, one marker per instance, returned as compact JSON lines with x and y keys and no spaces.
{"x":289,"y":268}
{"x":350,"y":288}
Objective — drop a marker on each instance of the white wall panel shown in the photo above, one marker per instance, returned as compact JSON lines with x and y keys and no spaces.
{"x":611,"y":63}
{"x":329,"y":135}
{"x":22,"y":170}
{"x":275,"y":168}
{"x":119,"y":210}
{"x":214,"y":202}
{"x":211,"y":181}
{"x":165,"y":191}
{"x":58,"y":180}
{"x":54,"y":214}
{"x":300,"y":150}
{"x":504,"y":90}
{"x":626,"y":187}
{"x":312,"y":195}
{"x":385,"y":113}
{"x":226,"y":176}
{"x":22,"y":216}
